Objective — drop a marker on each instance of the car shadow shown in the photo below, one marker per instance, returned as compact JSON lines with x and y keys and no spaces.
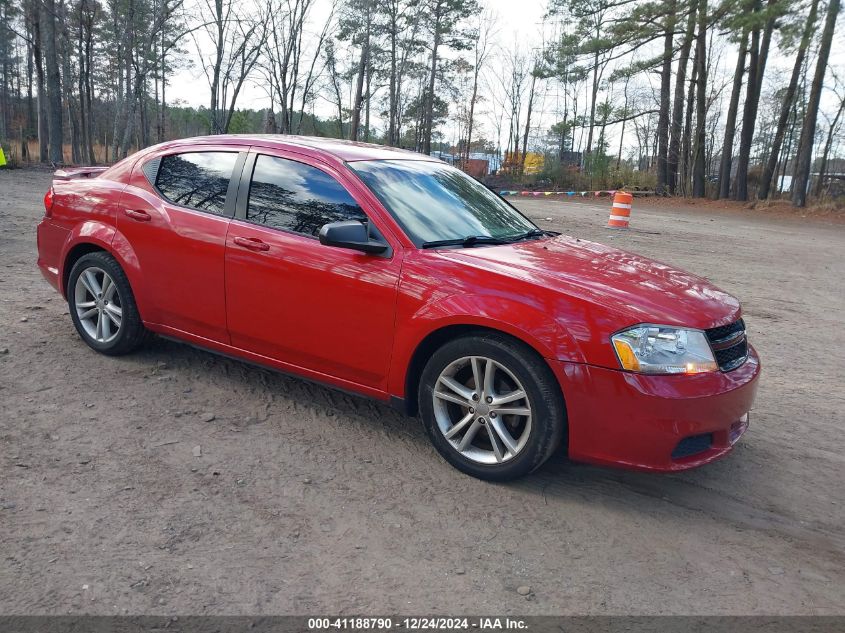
{"x":243,"y":376}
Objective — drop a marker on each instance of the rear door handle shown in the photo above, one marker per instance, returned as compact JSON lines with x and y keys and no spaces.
{"x":252,"y":243}
{"x":141,"y":216}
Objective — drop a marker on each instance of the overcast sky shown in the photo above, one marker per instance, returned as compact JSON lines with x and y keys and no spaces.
{"x":520,"y":19}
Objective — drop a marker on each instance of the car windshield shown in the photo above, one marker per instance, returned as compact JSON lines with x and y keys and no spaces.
{"x":434,"y":202}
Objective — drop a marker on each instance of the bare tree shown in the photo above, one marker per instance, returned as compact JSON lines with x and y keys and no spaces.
{"x":236,"y":38}
{"x":512,"y":82}
{"x":288,"y":63}
{"x":833,"y":126}
{"x":484,"y":29}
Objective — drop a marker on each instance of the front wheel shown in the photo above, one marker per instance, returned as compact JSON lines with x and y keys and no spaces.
{"x":491,"y":406}
{"x":102,"y":306}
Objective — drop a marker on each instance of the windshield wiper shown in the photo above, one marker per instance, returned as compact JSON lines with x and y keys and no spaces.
{"x":532,"y":233}
{"x":470,"y":240}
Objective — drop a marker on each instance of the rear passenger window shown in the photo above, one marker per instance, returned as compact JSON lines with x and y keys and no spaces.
{"x":198,"y":180}
{"x":295,"y":197}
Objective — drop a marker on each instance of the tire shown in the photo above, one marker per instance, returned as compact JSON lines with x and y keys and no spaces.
{"x":517,"y":369}
{"x":109,"y":324}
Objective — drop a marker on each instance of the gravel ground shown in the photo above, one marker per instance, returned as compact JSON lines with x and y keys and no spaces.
{"x":175,"y":481}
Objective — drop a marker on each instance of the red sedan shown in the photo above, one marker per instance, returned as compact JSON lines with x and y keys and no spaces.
{"x":393,"y":275}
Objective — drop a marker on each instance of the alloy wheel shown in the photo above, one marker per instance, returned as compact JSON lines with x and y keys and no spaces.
{"x":482,"y":409}
{"x":98,"y":305}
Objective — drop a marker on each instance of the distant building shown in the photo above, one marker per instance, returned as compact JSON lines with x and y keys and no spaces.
{"x":480,"y":163}
{"x":494,"y":161}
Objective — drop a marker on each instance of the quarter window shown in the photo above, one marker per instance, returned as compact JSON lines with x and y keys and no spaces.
{"x":296,"y":197}
{"x":199,"y":180}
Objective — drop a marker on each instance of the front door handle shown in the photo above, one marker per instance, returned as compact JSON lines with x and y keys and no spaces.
{"x":252,"y":243}
{"x":141,"y":216}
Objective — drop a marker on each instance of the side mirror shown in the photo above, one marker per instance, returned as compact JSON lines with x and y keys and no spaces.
{"x":350,"y":234}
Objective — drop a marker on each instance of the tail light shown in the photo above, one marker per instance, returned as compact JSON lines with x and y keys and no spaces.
{"x":48,"y":204}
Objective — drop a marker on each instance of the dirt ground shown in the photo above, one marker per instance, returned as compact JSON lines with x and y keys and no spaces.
{"x":306,"y":500}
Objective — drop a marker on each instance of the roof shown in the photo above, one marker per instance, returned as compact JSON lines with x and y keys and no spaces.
{"x":338,"y":148}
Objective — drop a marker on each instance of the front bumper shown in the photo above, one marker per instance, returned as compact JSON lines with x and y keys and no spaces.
{"x":658,"y":423}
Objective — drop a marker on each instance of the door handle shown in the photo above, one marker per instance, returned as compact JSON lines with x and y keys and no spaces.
{"x":252,"y":243}
{"x":141,"y":216}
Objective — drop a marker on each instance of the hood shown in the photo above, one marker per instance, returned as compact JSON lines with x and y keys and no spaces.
{"x":641,"y":290}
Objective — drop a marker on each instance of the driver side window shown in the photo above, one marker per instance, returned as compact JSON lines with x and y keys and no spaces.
{"x":295,"y":197}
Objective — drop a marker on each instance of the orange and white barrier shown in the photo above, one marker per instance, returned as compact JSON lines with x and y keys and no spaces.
{"x":620,"y":212}
{"x":536,"y":194}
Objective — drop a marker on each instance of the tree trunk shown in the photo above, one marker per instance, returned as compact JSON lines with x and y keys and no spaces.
{"x":363,"y":64}
{"x":30,"y":111}
{"x":786,"y":107}
{"x":765,"y":44}
{"x":665,"y":104}
{"x":367,"y":92}
{"x":124,"y":67}
{"x":80,"y":84}
{"x":355,"y":122}
{"x":72,"y":118}
{"x":89,"y":85}
{"x":428,"y":122}
{"x":133,"y":100}
{"x":730,"y":122}
{"x":790,"y":139}
{"x":759,"y":58}
{"x":594,"y":94}
{"x":54,"y":83}
{"x":472,"y":108}
{"x":220,"y":48}
{"x":41,"y":99}
{"x":678,"y":106}
{"x":392,"y":139}
{"x":749,"y":114}
{"x":528,"y":122}
{"x":808,"y":131}
{"x":699,"y":177}
{"x":162,"y":120}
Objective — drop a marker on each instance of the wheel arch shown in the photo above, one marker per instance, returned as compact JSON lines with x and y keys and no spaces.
{"x":439,"y":337}
{"x":85,"y":237}
{"x":73,"y":255}
{"x":90,"y":237}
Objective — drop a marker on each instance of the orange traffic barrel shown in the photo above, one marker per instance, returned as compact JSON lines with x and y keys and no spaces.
{"x":620,"y":212}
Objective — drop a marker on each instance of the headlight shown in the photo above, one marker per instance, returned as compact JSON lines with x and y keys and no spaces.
{"x":654,"y":349}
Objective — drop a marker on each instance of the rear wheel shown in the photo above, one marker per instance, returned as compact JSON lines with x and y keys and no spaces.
{"x":491,"y":406}
{"x":102,"y":306}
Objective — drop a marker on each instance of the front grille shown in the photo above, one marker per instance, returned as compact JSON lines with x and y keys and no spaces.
{"x":721,"y":333}
{"x":732,"y":357}
{"x":729,"y":344}
{"x":693,"y":445}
